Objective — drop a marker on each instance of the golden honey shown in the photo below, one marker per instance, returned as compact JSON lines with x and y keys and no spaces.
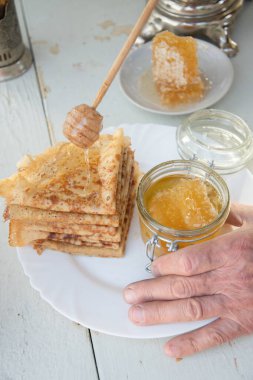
{"x":181,"y":203}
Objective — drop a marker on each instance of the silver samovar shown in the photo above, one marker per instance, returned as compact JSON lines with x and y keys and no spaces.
{"x":210,"y":19}
{"x":15,"y":57}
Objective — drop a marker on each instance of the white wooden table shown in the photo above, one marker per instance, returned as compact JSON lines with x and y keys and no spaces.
{"x":74,"y":43}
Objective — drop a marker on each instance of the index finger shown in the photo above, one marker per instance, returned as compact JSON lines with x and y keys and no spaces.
{"x":196,"y":259}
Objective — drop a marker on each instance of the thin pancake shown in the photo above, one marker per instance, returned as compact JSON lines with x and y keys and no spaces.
{"x":30,"y":213}
{"x":23,"y":233}
{"x":60,"y":246}
{"x":61,"y":180}
{"x":60,"y":219}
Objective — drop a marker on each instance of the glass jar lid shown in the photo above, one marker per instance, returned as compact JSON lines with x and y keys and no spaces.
{"x":218,"y":138}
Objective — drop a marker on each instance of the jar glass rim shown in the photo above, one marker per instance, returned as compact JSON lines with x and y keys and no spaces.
{"x":216,"y":136}
{"x":184,"y":164}
{"x":222,"y":115}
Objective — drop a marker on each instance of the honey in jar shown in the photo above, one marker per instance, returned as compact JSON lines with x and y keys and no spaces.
{"x":180,"y":203}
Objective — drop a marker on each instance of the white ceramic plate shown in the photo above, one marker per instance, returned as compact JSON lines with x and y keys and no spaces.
{"x":137,"y":83}
{"x":89,"y":290}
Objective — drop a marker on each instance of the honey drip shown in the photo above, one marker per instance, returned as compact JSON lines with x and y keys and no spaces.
{"x":87,"y":165}
{"x":182,"y":203}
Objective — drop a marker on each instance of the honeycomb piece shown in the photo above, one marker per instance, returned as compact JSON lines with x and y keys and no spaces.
{"x":182,"y":203}
{"x":175,"y":69}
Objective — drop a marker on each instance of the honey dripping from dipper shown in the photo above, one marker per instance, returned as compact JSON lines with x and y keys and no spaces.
{"x":82,"y":127}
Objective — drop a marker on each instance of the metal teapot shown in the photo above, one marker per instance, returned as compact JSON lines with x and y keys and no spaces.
{"x":210,"y":19}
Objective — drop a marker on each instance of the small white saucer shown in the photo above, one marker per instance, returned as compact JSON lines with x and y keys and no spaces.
{"x":137,"y":83}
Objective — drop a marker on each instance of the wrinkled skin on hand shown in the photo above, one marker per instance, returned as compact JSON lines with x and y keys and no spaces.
{"x":206,"y":280}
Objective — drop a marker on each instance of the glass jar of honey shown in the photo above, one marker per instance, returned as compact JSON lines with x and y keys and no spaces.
{"x":180,"y":203}
{"x":183,"y":202}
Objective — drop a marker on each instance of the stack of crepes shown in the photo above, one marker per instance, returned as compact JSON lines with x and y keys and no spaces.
{"x":72,"y":200}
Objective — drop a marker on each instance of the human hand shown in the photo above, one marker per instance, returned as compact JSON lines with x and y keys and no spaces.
{"x":198,"y":282}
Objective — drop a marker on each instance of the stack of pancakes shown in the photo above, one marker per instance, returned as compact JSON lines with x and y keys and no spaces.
{"x":72,"y":200}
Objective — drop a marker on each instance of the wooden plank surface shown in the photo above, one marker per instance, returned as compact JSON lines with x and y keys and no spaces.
{"x":36,"y":342}
{"x":74,"y":44}
{"x":128,"y":359}
{"x":74,"y":59}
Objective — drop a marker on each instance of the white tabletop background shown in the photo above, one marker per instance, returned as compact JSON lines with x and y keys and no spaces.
{"x":74,"y":43}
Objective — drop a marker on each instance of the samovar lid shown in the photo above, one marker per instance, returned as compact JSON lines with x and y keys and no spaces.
{"x":195,"y":8}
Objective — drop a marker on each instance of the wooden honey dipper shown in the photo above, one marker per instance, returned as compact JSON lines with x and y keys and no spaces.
{"x":83,"y":123}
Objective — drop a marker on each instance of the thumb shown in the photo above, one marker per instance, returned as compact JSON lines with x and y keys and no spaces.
{"x":240,"y":215}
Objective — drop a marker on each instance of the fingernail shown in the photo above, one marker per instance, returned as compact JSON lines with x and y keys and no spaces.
{"x":137,"y":314}
{"x":172,"y":351}
{"x":129,"y":295}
